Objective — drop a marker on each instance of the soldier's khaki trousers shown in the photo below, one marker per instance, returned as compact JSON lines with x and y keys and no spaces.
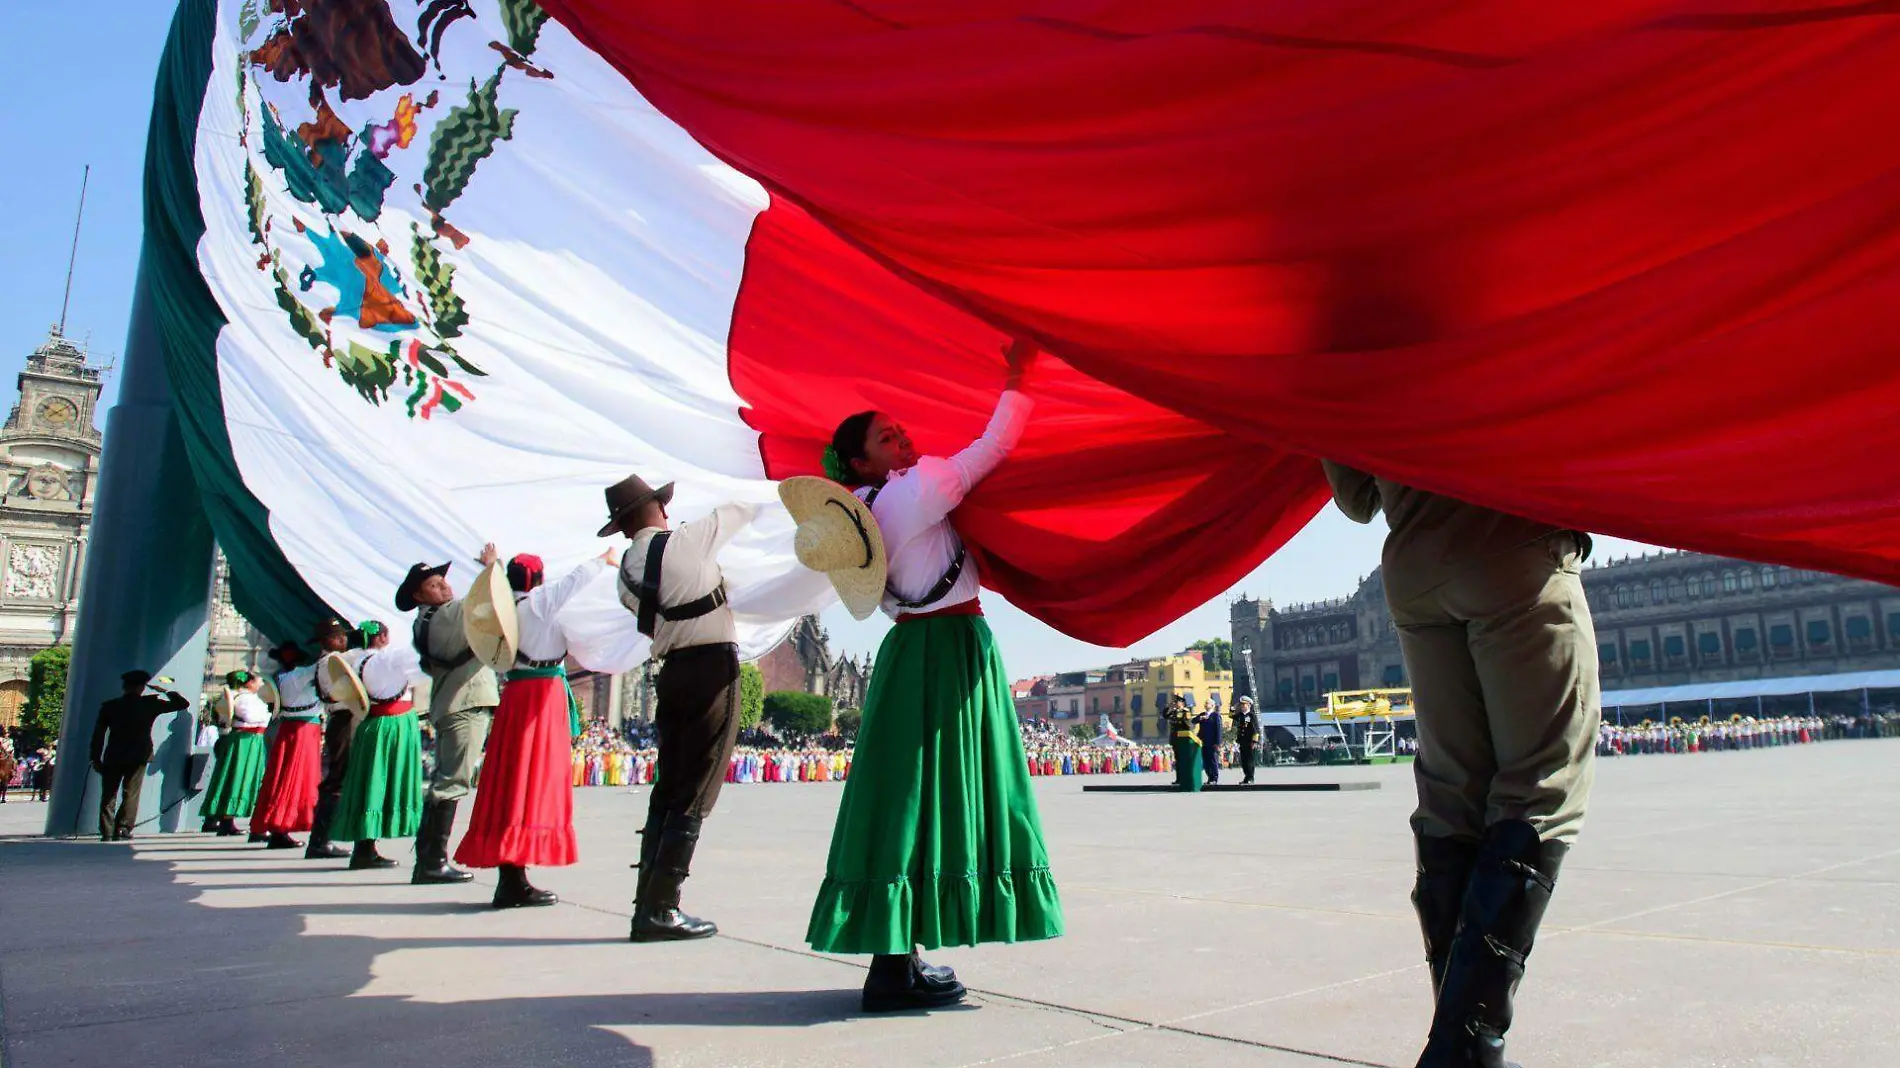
{"x":1503,"y":662}
{"x":459,"y":738}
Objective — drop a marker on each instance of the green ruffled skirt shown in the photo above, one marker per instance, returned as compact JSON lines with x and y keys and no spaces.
{"x":382,"y":790}
{"x":937,"y":841}
{"x":237,"y":775}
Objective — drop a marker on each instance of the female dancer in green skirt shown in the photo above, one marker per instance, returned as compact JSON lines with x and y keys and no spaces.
{"x":937,"y":841}
{"x":240,"y":767}
{"x":382,"y":790}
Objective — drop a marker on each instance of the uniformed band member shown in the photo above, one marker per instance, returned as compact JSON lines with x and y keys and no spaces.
{"x":1246,"y":736}
{"x":1502,"y":654}
{"x":122,"y":746}
{"x":524,"y":808}
{"x":382,"y":788}
{"x":287,"y":800}
{"x":670,"y":580}
{"x":1183,"y":735}
{"x":240,"y":756}
{"x":339,"y":730}
{"x":462,"y":699}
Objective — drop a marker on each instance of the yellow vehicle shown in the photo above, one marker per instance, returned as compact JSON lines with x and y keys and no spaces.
{"x":1370,"y":714}
{"x":1354,"y":705}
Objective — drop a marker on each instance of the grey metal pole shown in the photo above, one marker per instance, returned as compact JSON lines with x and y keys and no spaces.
{"x":147,"y":591}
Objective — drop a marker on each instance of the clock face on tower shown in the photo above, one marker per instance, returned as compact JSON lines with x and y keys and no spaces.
{"x":58,"y":412}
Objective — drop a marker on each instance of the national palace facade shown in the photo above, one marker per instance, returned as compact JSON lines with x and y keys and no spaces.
{"x":1662,"y":619}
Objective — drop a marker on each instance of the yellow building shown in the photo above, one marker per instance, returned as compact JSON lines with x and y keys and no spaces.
{"x":1148,"y":686}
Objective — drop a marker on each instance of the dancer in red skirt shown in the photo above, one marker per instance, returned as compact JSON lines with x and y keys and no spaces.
{"x":524,"y":802}
{"x":287,"y":800}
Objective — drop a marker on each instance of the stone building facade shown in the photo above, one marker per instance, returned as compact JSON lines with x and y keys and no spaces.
{"x":803,"y":663}
{"x":49,"y":452}
{"x":1662,"y":619}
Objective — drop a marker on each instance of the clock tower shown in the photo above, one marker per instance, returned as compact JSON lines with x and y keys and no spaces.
{"x":49,"y":470}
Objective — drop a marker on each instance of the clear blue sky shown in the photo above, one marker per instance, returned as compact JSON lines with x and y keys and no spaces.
{"x":78,"y":90}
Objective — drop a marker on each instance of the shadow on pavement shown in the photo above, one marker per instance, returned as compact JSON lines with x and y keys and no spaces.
{"x":109,"y":958}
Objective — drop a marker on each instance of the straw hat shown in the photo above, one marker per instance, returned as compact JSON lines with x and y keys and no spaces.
{"x":838,"y":536}
{"x":489,"y":620}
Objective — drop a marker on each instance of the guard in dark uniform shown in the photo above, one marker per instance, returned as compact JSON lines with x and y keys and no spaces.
{"x":670,"y":580}
{"x":1246,"y":735}
{"x":122,"y":746}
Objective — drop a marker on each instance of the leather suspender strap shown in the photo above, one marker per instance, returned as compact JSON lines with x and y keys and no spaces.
{"x":650,"y":583}
{"x":649,"y":593}
{"x":944,"y":585}
{"x":419,"y":637}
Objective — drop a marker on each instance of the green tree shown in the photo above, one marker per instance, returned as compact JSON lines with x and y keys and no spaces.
{"x":45,"y":695}
{"x":1217,"y":653}
{"x":795,"y":715}
{"x":1079,"y":733}
{"x":751,"y":696}
{"x":849,"y":721}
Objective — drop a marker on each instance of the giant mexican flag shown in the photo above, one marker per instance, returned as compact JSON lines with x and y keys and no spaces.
{"x":439,"y":271}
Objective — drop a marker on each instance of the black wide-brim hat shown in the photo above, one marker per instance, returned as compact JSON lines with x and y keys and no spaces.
{"x":630,"y":493}
{"x":418,"y":574}
{"x":276,"y":652}
{"x":327,"y":627}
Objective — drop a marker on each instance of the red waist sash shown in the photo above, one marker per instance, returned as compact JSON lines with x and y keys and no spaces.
{"x":247,"y":730}
{"x":390,"y":708}
{"x":971,"y":607}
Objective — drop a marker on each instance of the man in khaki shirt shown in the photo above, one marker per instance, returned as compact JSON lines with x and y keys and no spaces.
{"x":463,"y":693}
{"x":678,"y":595}
{"x":1502,"y":655}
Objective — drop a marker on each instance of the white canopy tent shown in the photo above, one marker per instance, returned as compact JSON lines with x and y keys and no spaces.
{"x":1703,"y":693}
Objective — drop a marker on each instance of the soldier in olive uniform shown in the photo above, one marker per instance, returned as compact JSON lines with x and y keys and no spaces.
{"x":1498,"y":640}
{"x":463,"y":694}
{"x":1183,"y":732}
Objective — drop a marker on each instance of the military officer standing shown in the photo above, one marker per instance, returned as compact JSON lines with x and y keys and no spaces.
{"x":122,"y":746}
{"x":1499,"y":644}
{"x":670,"y":580}
{"x":462,"y":698}
{"x":1246,"y":735}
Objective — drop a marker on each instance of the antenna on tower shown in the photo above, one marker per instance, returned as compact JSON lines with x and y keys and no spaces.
{"x":73,"y":259}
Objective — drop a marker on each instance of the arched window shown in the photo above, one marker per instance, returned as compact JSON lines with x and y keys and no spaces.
{"x":1675,"y":589}
{"x":1693,"y":586}
{"x":1729,"y":582}
{"x":1622,"y":596}
{"x":1709,"y":587}
{"x":1748,"y":581}
{"x":1656,"y":591}
{"x":1767,"y":578}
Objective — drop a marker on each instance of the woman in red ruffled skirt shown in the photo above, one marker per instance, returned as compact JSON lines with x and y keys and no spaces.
{"x":524,"y":802}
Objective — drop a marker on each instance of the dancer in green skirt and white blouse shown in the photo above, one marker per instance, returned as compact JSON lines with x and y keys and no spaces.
{"x":938,"y":842}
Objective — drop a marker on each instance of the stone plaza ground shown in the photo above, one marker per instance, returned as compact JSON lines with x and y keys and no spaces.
{"x":1728,"y":909}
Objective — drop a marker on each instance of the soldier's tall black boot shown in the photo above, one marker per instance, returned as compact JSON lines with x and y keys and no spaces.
{"x":656,"y":914}
{"x":649,"y":859}
{"x":320,"y":847}
{"x":1438,"y":895}
{"x":1504,"y":903}
{"x":432,"y":846}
